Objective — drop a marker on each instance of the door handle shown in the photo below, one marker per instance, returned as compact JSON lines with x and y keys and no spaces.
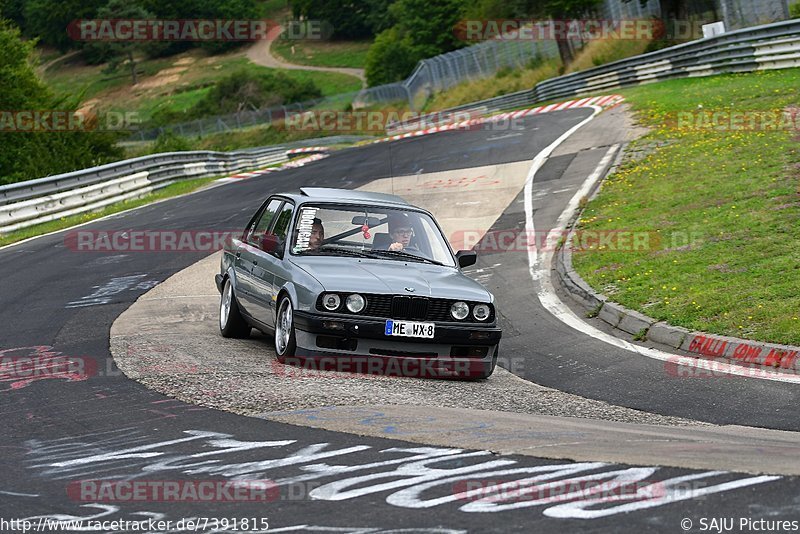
{"x":238,"y":254}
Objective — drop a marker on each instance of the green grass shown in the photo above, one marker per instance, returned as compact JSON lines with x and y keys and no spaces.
{"x":71,"y":78}
{"x":172,"y":190}
{"x":330,"y":83}
{"x":272,"y":9}
{"x":721,"y":210}
{"x":323,"y":53}
{"x":114,"y":91}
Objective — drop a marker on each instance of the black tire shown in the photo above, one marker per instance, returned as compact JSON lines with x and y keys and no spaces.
{"x":285,"y":342}
{"x":231,"y":322}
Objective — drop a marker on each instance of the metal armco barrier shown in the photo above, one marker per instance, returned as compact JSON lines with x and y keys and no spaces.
{"x":773,"y":46}
{"x":32,"y":202}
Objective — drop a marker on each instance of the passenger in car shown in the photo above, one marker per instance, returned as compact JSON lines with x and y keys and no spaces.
{"x":317,"y":234}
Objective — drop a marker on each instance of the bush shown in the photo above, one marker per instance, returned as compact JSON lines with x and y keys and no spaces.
{"x":794,"y":10}
{"x":170,"y":142}
{"x":389,"y":59}
{"x":245,"y":90}
{"x":28,"y":155}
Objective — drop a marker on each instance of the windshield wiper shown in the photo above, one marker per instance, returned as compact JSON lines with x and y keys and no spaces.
{"x":406,"y":255}
{"x":343,"y":251}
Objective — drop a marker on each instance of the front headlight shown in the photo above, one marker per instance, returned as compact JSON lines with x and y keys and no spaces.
{"x":355,"y":303}
{"x":331,"y":301}
{"x":459,"y":310}
{"x":481,"y":312}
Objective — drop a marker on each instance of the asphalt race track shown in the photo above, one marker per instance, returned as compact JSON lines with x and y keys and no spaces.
{"x":57,"y":432}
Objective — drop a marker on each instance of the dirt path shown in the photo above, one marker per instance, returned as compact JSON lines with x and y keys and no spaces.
{"x":260,"y":54}
{"x":43,"y":67}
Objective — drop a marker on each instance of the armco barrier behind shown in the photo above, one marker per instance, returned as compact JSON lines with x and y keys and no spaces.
{"x":42,"y":200}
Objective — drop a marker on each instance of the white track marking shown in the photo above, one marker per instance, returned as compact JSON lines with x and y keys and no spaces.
{"x":539,"y":269}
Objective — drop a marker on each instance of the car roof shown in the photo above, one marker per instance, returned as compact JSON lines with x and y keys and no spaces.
{"x":346,"y":196}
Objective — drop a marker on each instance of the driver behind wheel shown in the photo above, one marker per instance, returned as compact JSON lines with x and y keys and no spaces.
{"x":400,"y":231}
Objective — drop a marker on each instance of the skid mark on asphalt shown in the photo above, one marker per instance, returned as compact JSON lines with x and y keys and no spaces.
{"x":406,"y":477}
{"x":103,"y":294}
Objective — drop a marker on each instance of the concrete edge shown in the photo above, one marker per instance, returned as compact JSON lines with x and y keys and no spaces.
{"x":644,"y":328}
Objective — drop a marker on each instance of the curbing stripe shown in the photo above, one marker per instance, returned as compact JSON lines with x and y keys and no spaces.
{"x":607,"y":100}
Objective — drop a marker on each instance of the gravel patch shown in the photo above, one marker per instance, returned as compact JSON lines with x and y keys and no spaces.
{"x":169,"y":341}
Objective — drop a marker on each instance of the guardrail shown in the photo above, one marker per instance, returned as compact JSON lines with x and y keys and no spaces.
{"x":772,"y":46}
{"x":42,"y":200}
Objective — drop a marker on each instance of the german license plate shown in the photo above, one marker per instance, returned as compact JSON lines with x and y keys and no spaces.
{"x":409,"y":329}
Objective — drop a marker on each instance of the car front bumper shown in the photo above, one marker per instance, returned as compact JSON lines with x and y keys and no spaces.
{"x":361,"y":345}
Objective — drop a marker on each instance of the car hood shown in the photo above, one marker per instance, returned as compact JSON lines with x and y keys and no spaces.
{"x":391,"y":276}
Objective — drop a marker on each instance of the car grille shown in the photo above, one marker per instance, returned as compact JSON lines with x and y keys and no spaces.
{"x":409,"y":308}
{"x":415,"y":308}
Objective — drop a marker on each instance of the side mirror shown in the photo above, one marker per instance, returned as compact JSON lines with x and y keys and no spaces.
{"x":466,"y":258}
{"x":272,"y":244}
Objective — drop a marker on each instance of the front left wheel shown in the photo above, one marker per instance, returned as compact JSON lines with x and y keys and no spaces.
{"x":285,"y":343}
{"x":231,"y":322}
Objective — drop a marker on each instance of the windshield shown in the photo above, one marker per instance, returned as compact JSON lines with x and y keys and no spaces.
{"x":383,"y":233}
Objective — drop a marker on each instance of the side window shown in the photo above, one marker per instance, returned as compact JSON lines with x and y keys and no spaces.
{"x":281,"y":229}
{"x":261,"y":225}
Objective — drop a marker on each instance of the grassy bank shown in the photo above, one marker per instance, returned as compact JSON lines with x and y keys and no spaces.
{"x":173,"y":84}
{"x":720,"y":208}
{"x":322,"y":53}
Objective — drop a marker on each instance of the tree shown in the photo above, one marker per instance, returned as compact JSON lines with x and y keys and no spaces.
{"x":566,"y":10}
{"x":49,"y":19}
{"x":13,"y":10}
{"x":422,"y":29}
{"x":119,"y":52}
{"x":350,"y":19}
{"x":389,"y":59}
{"x":27,"y":155}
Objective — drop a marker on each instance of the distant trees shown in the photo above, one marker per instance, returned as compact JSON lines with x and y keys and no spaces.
{"x":48,"y":20}
{"x":26,"y":155}
{"x":350,"y":19}
{"x":420,"y":29}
